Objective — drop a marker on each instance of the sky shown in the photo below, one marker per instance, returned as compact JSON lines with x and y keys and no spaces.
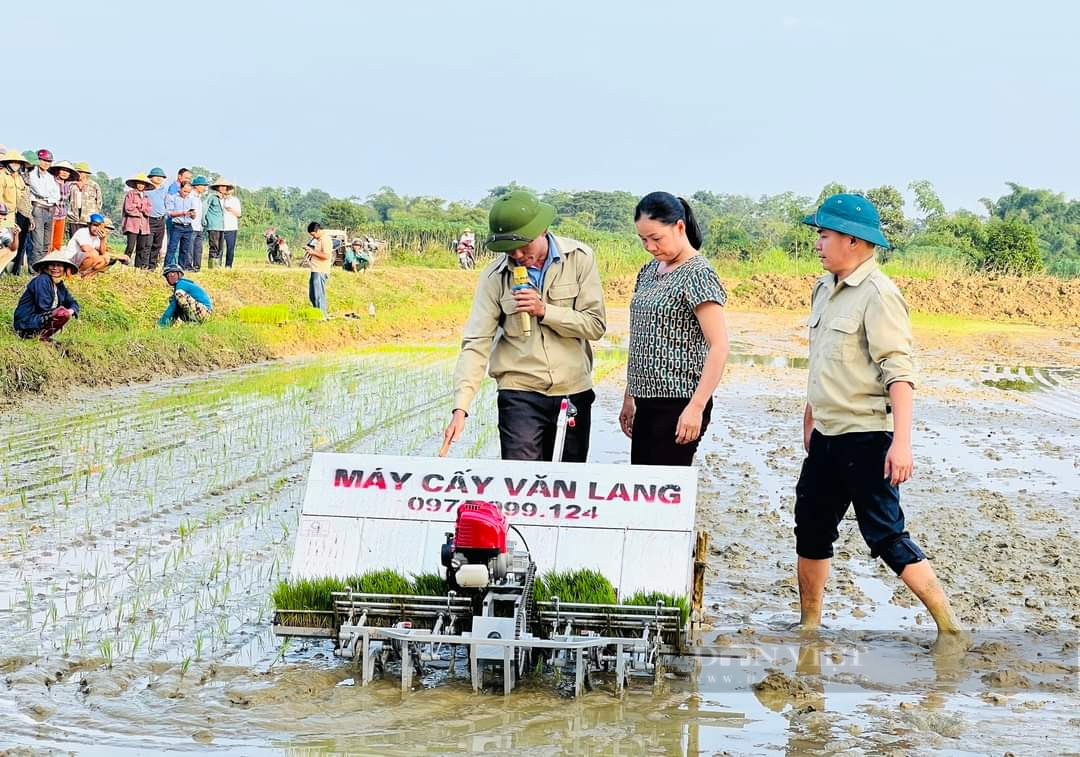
{"x":453,"y":98}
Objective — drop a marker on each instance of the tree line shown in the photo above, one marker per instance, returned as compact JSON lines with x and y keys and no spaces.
{"x":1024,"y":231}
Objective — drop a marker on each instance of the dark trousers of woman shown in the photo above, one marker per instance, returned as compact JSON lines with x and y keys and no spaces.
{"x":23,"y":222}
{"x":653,"y":442}
{"x":230,"y":247}
{"x":137,"y":249}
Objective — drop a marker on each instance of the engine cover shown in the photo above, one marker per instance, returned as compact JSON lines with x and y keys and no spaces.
{"x":480,"y":525}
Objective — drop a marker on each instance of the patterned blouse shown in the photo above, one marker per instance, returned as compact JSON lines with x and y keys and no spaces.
{"x":667,"y":346}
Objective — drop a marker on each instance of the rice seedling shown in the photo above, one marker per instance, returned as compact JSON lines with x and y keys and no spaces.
{"x":650,"y":598}
{"x":381,"y":582}
{"x":584,"y":585}
{"x":430,"y":585}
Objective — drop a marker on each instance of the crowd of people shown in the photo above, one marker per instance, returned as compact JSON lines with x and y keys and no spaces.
{"x":53,"y":225}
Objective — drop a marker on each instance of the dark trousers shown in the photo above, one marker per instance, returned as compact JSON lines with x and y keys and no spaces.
{"x":25,"y":240}
{"x":844,"y":470}
{"x":653,"y":440}
{"x":153,"y":250}
{"x":137,"y":247}
{"x":196,"y":250}
{"x":527,"y":426}
{"x":43,"y":223}
{"x":216,"y":240}
{"x":178,"y":249}
{"x":230,"y":247}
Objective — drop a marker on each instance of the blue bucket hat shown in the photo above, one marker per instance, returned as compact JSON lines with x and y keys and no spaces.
{"x":200,"y":181}
{"x":156,"y":171}
{"x":850,"y":214}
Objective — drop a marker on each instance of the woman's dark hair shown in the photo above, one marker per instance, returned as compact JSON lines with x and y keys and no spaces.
{"x":668,"y":209}
{"x":313,"y":227}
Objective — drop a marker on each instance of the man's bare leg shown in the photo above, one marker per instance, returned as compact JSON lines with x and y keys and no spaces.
{"x":922,"y":580}
{"x":812,"y":577}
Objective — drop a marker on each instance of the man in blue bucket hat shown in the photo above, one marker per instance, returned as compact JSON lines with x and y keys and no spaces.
{"x":857,"y":421}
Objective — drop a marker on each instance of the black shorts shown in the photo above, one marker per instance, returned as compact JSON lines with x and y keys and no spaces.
{"x":840,"y":471}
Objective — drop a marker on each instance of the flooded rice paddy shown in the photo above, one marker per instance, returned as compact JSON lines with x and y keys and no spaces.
{"x":142,"y":527}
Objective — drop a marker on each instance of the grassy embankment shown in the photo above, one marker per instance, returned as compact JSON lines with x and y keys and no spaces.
{"x":116,"y":339}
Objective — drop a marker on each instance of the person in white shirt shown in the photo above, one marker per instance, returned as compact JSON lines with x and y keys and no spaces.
{"x":231,"y":205}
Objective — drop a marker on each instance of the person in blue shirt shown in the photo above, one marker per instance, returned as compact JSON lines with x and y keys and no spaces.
{"x":189,"y":301}
{"x":157,"y":217}
{"x":46,"y":306}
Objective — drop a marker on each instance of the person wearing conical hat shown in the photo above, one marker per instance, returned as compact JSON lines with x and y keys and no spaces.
{"x":230,"y":205}
{"x":46,"y":306}
{"x":64,"y":173}
{"x":135,"y":223}
{"x":11,"y":183}
{"x":84,"y":199}
{"x":531,"y":336}
{"x":13,"y":169}
{"x":857,"y":419}
{"x":213,"y":222}
{"x":44,"y":197}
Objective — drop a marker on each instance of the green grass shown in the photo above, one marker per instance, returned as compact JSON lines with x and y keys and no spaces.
{"x":588,"y":586}
{"x":650,"y":598}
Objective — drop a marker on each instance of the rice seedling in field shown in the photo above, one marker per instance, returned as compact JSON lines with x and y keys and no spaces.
{"x":429,"y":585}
{"x":588,"y":586}
{"x":650,"y":598}
{"x":381,"y":582}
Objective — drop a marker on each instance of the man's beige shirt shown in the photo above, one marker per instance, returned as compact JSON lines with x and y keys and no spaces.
{"x":325,"y":245}
{"x":555,"y":359}
{"x":860,"y":342}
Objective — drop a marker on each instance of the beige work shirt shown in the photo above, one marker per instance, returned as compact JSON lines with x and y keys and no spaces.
{"x":555,"y":359}
{"x":860,"y":342}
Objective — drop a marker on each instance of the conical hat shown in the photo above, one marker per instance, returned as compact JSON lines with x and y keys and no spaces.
{"x":14,"y":156}
{"x":55,"y":168}
{"x":139,"y":178}
{"x":221,"y":182}
{"x":56,"y":256}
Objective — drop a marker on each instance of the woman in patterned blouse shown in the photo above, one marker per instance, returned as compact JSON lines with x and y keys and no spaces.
{"x":678,"y":340}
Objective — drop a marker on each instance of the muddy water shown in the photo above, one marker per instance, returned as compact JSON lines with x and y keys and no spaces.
{"x":145,"y":528}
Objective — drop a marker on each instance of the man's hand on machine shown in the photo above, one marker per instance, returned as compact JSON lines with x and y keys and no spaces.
{"x":529,"y":301}
{"x":453,"y":431}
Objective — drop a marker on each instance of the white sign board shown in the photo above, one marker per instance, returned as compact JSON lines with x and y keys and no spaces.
{"x":634,"y":524}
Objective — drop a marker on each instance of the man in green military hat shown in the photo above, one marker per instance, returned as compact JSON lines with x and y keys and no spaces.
{"x":857,"y":420}
{"x":537,"y":307}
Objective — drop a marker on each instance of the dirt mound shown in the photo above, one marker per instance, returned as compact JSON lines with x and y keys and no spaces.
{"x":1042,"y":301}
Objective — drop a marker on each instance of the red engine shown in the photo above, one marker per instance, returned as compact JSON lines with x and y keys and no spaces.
{"x":480,"y":526}
{"x":475,"y":554}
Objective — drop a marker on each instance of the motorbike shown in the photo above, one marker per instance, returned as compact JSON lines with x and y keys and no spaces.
{"x":466,"y":252}
{"x":277,"y":249}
